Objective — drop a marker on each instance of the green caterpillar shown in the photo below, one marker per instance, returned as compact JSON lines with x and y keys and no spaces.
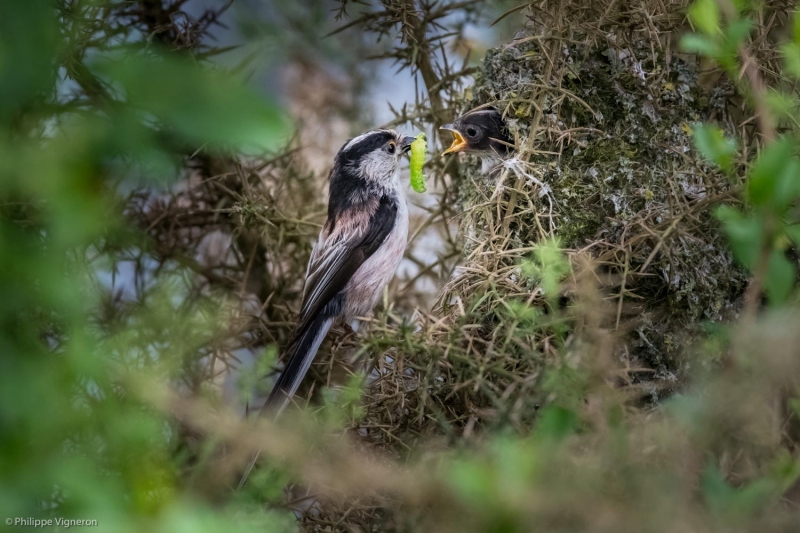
{"x":418,"y":149}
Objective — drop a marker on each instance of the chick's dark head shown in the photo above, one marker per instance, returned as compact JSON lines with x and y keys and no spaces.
{"x":480,"y":132}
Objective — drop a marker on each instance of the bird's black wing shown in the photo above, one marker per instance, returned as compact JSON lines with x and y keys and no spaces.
{"x":332,"y":266}
{"x":329,"y":272}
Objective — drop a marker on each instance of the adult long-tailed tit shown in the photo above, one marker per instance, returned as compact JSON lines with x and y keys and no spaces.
{"x":356,"y":255}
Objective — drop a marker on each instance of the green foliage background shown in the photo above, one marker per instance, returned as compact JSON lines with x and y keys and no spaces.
{"x":77,"y":442}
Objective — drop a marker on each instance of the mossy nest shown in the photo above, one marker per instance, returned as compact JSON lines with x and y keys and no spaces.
{"x":612,"y":169}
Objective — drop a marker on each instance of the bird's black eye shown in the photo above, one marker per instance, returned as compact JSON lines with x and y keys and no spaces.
{"x":391,"y":147}
{"x":471,"y":132}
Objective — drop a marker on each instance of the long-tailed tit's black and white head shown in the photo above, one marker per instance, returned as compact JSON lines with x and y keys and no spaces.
{"x":373,"y":157}
{"x":481,"y":132}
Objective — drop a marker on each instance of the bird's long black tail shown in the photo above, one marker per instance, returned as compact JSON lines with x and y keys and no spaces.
{"x":302,"y":351}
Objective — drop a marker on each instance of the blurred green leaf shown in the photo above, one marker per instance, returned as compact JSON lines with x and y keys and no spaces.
{"x":791,"y":58}
{"x":201,"y":105}
{"x":715,"y":146}
{"x":796,"y":27}
{"x":28,"y":47}
{"x":775,"y":171}
{"x":523,"y":312}
{"x":736,"y":33}
{"x":780,"y":278}
{"x":700,"y":44}
{"x":785,"y":471}
{"x":716,"y":490}
{"x":705,"y":15}
{"x":556,"y":423}
{"x":729,"y":502}
{"x":470,"y":480}
{"x":787,"y":186}
{"x":745,"y":234}
{"x":722,"y":46}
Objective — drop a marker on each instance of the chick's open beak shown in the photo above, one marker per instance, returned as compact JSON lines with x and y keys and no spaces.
{"x":405,"y":143}
{"x":459,"y":143}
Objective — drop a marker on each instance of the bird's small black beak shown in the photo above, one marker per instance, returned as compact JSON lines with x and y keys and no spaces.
{"x":405,"y":143}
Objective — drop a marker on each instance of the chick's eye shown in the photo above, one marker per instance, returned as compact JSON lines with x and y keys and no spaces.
{"x":472,"y":132}
{"x":390,"y":147}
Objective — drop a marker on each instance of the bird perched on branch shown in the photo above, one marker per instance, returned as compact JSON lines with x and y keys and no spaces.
{"x":483,"y":133}
{"x":356,"y":255}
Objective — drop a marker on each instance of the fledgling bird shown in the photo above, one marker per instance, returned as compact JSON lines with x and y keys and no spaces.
{"x":356,"y":255}
{"x":483,"y":133}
